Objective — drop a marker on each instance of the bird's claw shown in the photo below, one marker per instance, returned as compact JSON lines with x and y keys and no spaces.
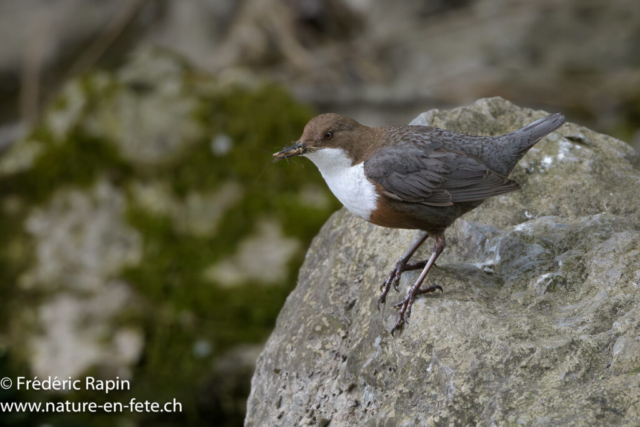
{"x":405,"y":305}
{"x":403,"y":315}
{"x":392,"y":281}
{"x":396,"y":279}
{"x":397,"y":327}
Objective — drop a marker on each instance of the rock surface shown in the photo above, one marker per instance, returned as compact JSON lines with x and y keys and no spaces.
{"x":539,"y":322}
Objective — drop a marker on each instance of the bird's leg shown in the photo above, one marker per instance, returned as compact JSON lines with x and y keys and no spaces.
{"x":402,"y":266}
{"x":405,"y":305}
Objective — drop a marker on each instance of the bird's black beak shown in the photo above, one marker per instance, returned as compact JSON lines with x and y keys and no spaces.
{"x":294,"y":150}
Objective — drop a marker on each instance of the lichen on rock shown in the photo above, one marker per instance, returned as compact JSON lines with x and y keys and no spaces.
{"x":262,"y":258}
{"x":81,"y":238}
{"x":538,"y":323}
{"x":77,"y":334}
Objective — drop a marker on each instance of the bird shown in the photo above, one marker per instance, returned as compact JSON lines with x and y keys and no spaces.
{"x":413,"y":177}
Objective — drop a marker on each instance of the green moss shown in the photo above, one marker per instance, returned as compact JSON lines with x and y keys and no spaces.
{"x":258,"y":123}
{"x":76,"y":161}
{"x":634,"y":371}
{"x":173,"y":265}
{"x":179,"y":307}
{"x":171,"y":272}
{"x":629,"y":122}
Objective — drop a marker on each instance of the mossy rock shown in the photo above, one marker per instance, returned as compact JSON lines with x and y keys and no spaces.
{"x":132,"y":221}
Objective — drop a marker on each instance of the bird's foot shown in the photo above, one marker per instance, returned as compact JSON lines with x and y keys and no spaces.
{"x":405,"y":305}
{"x":394,"y":278}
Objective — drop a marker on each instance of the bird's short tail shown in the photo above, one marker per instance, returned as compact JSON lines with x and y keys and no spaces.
{"x":524,"y":138}
{"x":516,"y":144}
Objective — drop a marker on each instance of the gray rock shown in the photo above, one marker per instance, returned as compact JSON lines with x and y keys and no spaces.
{"x":539,"y":322}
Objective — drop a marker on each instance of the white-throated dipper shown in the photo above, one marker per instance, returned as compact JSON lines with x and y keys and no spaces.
{"x":413,"y":177}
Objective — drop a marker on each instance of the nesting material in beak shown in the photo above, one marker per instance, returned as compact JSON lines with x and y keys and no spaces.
{"x":294,"y":150}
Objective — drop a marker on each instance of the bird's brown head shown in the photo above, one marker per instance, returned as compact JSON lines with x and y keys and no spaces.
{"x":324,"y":131}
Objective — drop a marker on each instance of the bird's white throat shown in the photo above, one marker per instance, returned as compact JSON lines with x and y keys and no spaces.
{"x":347,"y":182}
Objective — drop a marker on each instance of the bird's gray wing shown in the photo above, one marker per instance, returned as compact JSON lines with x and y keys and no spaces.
{"x":422,"y":173}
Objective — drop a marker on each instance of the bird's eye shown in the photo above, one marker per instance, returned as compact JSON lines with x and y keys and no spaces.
{"x":328,"y":135}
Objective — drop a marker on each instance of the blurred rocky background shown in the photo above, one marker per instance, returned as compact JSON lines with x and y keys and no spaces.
{"x":141,"y":235}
